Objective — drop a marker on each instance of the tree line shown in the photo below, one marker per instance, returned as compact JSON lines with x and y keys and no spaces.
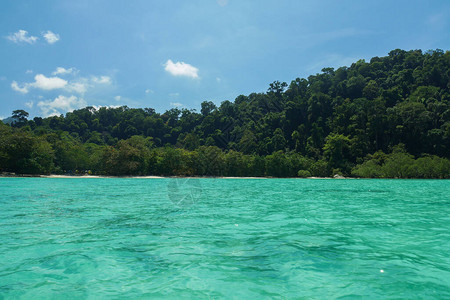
{"x":386,"y":118}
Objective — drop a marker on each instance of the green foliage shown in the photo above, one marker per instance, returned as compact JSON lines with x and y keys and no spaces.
{"x":337,"y":151}
{"x":22,"y":152}
{"x":129,"y":157}
{"x":277,"y":165}
{"x":303,"y":174}
{"x":397,"y":165}
{"x":20,"y":116}
{"x":368,"y":169}
{"x":400,"y":164}
{"x":320,"y":169}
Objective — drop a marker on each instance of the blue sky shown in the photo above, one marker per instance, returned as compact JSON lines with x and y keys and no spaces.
{"x":56,"y":56}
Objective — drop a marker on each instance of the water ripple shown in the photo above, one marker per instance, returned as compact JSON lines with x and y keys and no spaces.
{"x":280,"y":238}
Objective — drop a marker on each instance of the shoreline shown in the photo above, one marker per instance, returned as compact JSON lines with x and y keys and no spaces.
{"x":151,"y":177}
{"x":55,"y":176}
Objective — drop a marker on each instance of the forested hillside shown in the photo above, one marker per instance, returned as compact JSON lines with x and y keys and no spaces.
{"x":389,"y":117}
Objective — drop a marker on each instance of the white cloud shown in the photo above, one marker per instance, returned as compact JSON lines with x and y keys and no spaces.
{"x":52,"y":83}
{"x":50,"y":37}
{"x":101,"y":79}
{"x":29,"y":104}
{"x":181,"y":69}
{"x":176,"y":104}
{"x":63,"y":71}
{"x":19,"y":89}
{"x":149,"y":91}
{"x":117,"y":98}
{"x":82,"y":84}
{"x":78,"y":87}
{"x":60,"y":104}
{"x":48,"y":83}
{"x":22,"y":36}
{"x":97,"y":107}
{"x":28,"y":71}
{"x":174,"y":94}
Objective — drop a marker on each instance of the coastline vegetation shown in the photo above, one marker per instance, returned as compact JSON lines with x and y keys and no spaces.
{"x":386,"y":118}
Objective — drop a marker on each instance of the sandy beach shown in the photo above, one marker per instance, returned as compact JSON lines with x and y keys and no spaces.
{"x":97,"y":176}
{"x":152,"y":177}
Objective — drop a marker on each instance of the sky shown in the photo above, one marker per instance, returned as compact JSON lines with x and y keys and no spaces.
{"x":57,"y":56}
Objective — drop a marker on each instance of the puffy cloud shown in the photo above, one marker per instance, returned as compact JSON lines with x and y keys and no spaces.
{"x":19,"y":89}
{"x":82,"y":84}
{"x":77,"y":87}
{"x":63,"y":71}
{"x":60,"y":104}
{"x":50,"y":37}
{"x":101,"y":79}
{"x":181,"y":69}
{"x":29,"y":104}
{"x":22,"y":36}
{"x":48,"y":83}
{"x":52,"y":83}
{"x":149,"y":91}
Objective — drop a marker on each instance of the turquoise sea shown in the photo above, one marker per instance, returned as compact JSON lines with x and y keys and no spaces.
{"x":117,"y":238}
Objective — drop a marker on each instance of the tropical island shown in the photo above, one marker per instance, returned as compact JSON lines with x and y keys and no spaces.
{"x":386,"y":118}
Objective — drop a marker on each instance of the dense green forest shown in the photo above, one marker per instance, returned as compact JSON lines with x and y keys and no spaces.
{"x":387,"y":118}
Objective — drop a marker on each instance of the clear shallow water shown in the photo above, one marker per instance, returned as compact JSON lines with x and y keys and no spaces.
{"x":224,"y":238}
